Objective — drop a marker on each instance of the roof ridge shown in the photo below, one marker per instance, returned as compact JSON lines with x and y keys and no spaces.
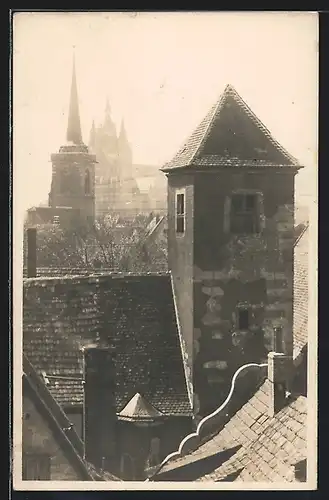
{"x":96,"y":277}
{"x":217,"y":106}
{"x":258,"y":122}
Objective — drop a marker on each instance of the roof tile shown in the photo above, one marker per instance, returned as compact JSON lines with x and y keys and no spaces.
{"x":268,"y":454}
{"x":134,"y":313}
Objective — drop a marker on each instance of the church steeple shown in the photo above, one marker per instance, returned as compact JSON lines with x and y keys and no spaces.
{"x":73,"y":133}
{"x":108,"y":126}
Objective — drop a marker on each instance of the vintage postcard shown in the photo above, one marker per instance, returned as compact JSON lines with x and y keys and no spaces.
{"x":165,"y":236}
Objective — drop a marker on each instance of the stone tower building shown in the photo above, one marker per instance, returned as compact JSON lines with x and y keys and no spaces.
{"x":230,"y":245}
{"x":73,"y":167}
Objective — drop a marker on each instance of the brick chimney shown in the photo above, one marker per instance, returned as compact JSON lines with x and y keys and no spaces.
{"x":99,"y":407}
{"x":279,"y":376}
{"x":31,"y":252}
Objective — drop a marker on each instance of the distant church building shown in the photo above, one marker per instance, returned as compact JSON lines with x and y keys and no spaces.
{"x":72,"y":194}
{"x":92,"y":181}
{"x":116,"y":189}
{"x":230,"y":245}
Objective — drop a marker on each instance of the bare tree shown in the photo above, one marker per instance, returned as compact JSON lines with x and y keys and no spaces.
{"x":108,"y":243}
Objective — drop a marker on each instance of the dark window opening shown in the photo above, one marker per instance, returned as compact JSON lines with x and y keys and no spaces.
{"x":36,"y":467}
{"x":244,"y":214}
{"x":180,"y":213}
{"x":243,"y":319}
{"x":87,"y":182}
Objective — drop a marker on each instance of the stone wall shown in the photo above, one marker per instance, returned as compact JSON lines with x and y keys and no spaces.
{"x":39,"y":438}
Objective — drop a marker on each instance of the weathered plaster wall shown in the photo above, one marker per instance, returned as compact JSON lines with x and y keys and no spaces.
{"x":251,"y":270}
{"x":38,"y":438}
{"x":180,"y":257}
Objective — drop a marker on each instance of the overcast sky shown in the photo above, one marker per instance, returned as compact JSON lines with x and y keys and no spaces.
{"x":161,"y":72}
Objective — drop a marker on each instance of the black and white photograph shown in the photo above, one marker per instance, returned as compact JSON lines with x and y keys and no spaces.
{"x":164,"y":250}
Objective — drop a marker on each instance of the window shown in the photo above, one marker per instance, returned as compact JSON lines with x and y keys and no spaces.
{"x":36,"y":467}
{"x":244,"y":214}
{"x":180,"y":213}
{"x":243,"y":319}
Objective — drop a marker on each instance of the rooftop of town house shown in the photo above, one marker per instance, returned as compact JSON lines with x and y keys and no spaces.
{"x":231,"y":135}
{"x":134,"y":313}
{"x":63,"y":431}
{"x":251,"y":447}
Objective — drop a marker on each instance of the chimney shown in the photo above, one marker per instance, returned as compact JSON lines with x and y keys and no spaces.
{"x":279,"y":375}
{"x":99,"y":412}
{"x":31,"y":252}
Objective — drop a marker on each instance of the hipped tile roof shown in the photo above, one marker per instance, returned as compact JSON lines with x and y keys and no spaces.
{"x":252,"y":446}
{"x":134,"y":313}
{"x":53,"y":272}
{"x":231,"y":135}
{"x":139,"y":409}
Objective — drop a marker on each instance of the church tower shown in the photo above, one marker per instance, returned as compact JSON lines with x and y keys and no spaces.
{"x":73,"y":167}
{"x":125,"y":153}
{"x":230,"y":245}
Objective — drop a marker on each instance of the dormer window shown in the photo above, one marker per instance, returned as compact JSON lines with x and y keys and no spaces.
{"x":180,"y":213}
{"x":244,"y":216}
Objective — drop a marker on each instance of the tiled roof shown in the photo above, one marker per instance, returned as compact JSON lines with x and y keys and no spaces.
{"x":63,"y":431}
{"x":231,"y":135}
{"x":134,"y":313}
{"x":251,"y":447}
{"x":139,"y":409}
{"x":300,"y":328}
{"x":68,"y":271}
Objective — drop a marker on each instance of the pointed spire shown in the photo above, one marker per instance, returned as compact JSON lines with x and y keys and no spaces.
{"x":92,"y":136}
{"x":74,"y":127}
{"x":123,"y":134}
{"x":108,"y":125}
{"x":107,"y":108}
